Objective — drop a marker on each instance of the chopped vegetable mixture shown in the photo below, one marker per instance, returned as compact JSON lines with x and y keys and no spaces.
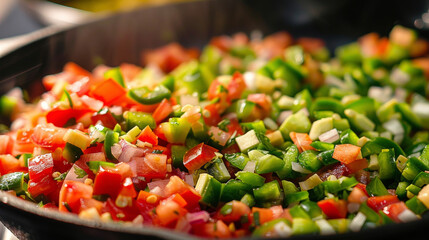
{"x":263,"y":136}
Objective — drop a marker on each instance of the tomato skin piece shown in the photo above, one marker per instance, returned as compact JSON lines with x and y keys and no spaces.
{"x":127,"y":189}
{"x":105,"y":117}
{"x":45,"y":186}
{"x":48,"y":136}
{"x":346,"y":153}
{"x":333,"y":208}
{"x":199,"y":155}
{"x":377,"y":203}
{"x":107,"y":181}
{"x":217,"y":229}
{"x":59,"y":117}
{"x":40,"y":167}
{"x":147,"y":135}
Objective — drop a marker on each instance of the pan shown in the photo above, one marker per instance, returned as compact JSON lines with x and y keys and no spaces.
{"x":121,"y":38}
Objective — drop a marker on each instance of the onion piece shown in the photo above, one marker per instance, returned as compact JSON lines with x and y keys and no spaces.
{"x":72,"y":174}
{"x":357,"y":222}
{"x":283,"y":116}
{"x":218,"y":135}
{"x":250,"y":166}
{"x":129,"y":151}
{"x":198,"y":217}
{"x":325,"y":227}
{"x":282,"y":229}
{"x":157,"y":187}
{"x":394,"y":126}
{"x":407,"y":216}
{"x":183,"y":225}
{"x":116,"y":150}
{"x":353,"y":207}
{"x":382,"y":94}
{"x":298,"y":168}
{"x":250,"y":80}
{"x":92,"y":103}
{"x":399,"y":77}
{"x":189,"y":179}
{"x":98,"y":156}
{"x":189,"y":100}
{"x":329,"y":136}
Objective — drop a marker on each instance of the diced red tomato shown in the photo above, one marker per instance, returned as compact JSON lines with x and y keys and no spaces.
{"x":158,"y":132}
{"x":105,"y":117}
{"x":218,"y":135}
{"x":162,"y":111}
{"x":127,"y":213}
{"x":107,"y":181}
{"x":333,"y":208}
{"x":76,"y":70}
{"x":422,"y":63}
{"x":129,"y":71}
{"x":87,"y":203}
{"x":217,"y":229}
{"x":273,"y":45}
{"x":107,"y":91}
{"x":302,"y":141}
{"x":357,"y":165}
{"x":199,"y":155}
{"x":48,"y":136}
{"x":377,"y":203}
{"x":179,"y":200}
{"x":23,"y":143}
{"x":45,"y":186}
{"x":40,"y":167}
{"x":234,"y":88}
{"x":213,"y":117}
{"x":346,"y":153}
{"x":168,"y":212}
{"x":262,"y":100}
{"x":7,"y":144}
{"x":238,"y":209}
{"x":394,"y":210}
{"x":234,"y":126}
{"x":151,"y":165}
{"x":265,"y":215}
{"x":71,"y":193}
{"x":223,"y":43}
{"x":147,"y":135}
{"x":311,"y":45}
{"x":128,"y":189}
{"x":143,"y":195}
{"x":59,"y":117}
{"x":8,"y":164}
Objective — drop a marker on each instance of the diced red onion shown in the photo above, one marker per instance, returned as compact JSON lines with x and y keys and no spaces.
{"x":116,"y":150}
{"x":353,"y":207}
{"x":117,"y":110}
{"x":218,"y":135}
{"x":72,"y":176}
{"x":183,"y":225}
{"x":189,"y":179}
{"x":298,"y":168}
{"x":98,"y":156}
{"x":329,"y":136}
{"x":158,"y":184}
{"x":407,"y":216}
{"x":198,"y":217}
{"x":283,"y":115}
{"x":129,"y":151}
{"x":92,"y":103}
{"x":157,"y":190}
{"x":250,"y":166}
{"x":357,"y":222}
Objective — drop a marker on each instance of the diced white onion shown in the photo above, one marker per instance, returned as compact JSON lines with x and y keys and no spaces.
{"x":270,"y":124}
{"x":282,"y":230}
{"x":298,"y":168}
{"x":250,"y":166}
{"x":305,"y":111}
{"x":117,"y":110}
{"x":282,"y":116}
{"x":92,"y":103}
{"x":382,"y":94}
{"x":325,"y":227}
{"x":116,"y":150}
{"x":189,"y":99}
{"x":394,"y":126}
{"x":332,"y":80}
{"x":250,"y":80}
{"x":310,"y":183}
{"x":399,"y":77}
{"x":357,"y":222}
{"x":421,"y":109}
{"x":353,"y":207}
{"x":400,"y":94}
{"x":407,"y":216}
{"x":329,"y":136}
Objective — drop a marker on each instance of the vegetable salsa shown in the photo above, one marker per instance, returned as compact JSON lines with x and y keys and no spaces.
{"x":254,"y":136}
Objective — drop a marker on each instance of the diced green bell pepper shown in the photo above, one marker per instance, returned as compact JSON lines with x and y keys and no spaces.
{"x":386,"y":161}
{"x":234,"y":190}
{"x":376,"y":188}
{"x":146,"y":96}
{"x":253,"y":179}
{"x":238,"y":160}
{"x":111,"y":138}
{"x":176,"y":130}
{"x":115,"y":74}
{"x":13,"y":181}
{"x":415,"y":205}
{"x":72,"y":153}
{"x":218,"y":170}
{"x":308,"y":159}
{"x":268,"y":163}
{"x":290,"y":156}
{"x":209,"y":188}
{"x":304,"y":226}
{"x":297,"y":122}
{"x":268,"y":192}
{"x":139,"y":119}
